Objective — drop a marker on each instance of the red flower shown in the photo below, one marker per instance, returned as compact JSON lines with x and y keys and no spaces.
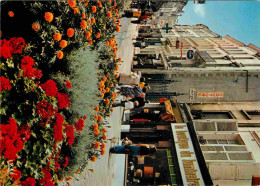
{"x":16,"y":174}
{"x":45,"y":109}
{"x":50,"y":88}
{"x":58,"y":135}
{"x":47,"y":180}
{"x":57,"y":165}
{"x":4,"y":84}
{"x":29,"y":182}
{"x":63,"y":100}
{"x":5,"y":49}
{"x":27,"y":61}
{"x":84,"y":117}
{"x":38,"y":74}
{"x":68,"y":84}
{"x":11,"y":142}
{"x":66,"y":161}
{"x":17,"y":44}
{"x":70,"y":134}
{"x":80,"y":124}
{"x":24,"y":132}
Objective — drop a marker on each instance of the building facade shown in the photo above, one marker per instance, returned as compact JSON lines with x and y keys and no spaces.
{"x":199,"y":65}
{"x":229,"y":138}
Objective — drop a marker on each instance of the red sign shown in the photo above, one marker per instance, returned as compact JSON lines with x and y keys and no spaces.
{"x":210,"y":94}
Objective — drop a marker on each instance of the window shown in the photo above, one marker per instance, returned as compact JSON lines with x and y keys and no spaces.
{"x":252,"y":114}
{"x":198,"y":114}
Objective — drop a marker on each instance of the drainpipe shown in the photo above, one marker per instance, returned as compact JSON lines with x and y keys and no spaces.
{"x":247,"y":80}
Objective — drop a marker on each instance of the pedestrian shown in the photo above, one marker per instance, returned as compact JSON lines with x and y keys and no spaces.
{"x":130,"y":90}
{"x":128,"y":104}
{"x":138,"y":150}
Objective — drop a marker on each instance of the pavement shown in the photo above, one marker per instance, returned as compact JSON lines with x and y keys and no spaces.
{"x":109,"y":169}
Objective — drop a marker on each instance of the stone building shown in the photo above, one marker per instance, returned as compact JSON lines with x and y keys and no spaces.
{"x":168,"y":13}
{"x":229,"y":138}
{"x":198,"y":65}
{"x":200,"y":144}
{"x":176,"y":161}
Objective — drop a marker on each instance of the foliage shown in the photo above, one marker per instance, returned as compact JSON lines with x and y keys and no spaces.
{"x":44,"y":124}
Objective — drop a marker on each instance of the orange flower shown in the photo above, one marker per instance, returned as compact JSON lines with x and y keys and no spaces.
{"x":91,"y":170}
{"x":105,"y":78}
{"x":114,"y":19}
{"x":115,"y":4}
{"x":100,"y":118}
{"x":109,"y":15}
{"x":83,"y":24}
{"x":102,"y":95}
{"x":78,"y":171}
{"x":117,"y":28}
{"x":60,"y":54}
{"x":107,"y":101}
{"x":99,"y":4}
{"x":111,"y":84}
{"x":83,"y":15}
{"x":68,"y":178}
{"x":86,"y":3}
{"x":117,"y":16}
{"x":89,"y":20}
{"x":103,"y":151}
{"x":70,"y":32}
{"x":107,"y":89}
{"x":63,"y":43}
{"x":96,"y":117}
{"x":96,"y":108}
{"x":113,"y":100}
{"x":109,"y":115}
{"x":90,"y":41}
{"x":72,"y":4}
{"x":94,"y":9}
{"x":96,"y":132}
{"x":104,"y":137}
{"x":11,"y":13}
{"x":116,"y":10}
{"x":119,"y":59}
{"x":115,"y":54}
{"x":98,"y":35}
{"x":87,"y":34}
{"x":93,"y":21}
{"x":57,"y":36}
{"x":107,"y":43}
{"x":97,"y":145}
{"x":36,"y":26}
{"x":95,"y":126}
{"x":76,"y":10}
{"x":117,"y":75}
{"x":93,"y":158}
{"x":104,"y":130}
{"x":112,"y":109}
{"x":104,"y":111}
{"x":103,"y":145}
{"x":48,"y":16}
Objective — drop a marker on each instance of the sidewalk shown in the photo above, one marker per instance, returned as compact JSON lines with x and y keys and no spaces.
{"x":125,"y":44}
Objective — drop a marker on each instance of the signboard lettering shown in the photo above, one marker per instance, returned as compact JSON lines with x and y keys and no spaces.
{"x":210,"y":94}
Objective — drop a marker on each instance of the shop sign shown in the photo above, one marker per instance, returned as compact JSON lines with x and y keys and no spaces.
{"x":210,"y":94}
{"x":190,"y":54}
{"x":192,"y":94}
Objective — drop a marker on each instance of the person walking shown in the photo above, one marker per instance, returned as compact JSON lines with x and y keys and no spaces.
{"x":127,"y":104}
{"x":138,"y":150}
{"x":130,"y":90}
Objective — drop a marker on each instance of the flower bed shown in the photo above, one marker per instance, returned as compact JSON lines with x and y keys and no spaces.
{"x":44,"y":120}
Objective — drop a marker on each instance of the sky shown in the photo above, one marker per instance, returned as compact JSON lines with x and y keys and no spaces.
{"x":239,"y":19}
